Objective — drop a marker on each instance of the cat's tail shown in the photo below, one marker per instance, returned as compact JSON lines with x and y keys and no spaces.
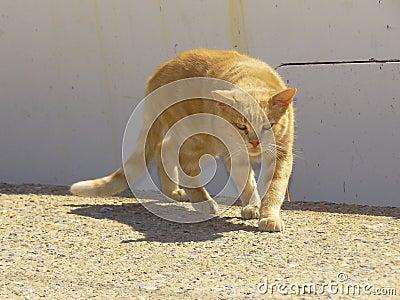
{"x":101,"y":187}
{"x":134,"y":167}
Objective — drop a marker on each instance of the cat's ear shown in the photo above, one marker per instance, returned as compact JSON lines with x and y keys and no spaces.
{"x":284,"y":98}
{"x":223,"y":97}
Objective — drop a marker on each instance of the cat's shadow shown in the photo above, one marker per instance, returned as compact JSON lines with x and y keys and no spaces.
{"x":155,"y":229}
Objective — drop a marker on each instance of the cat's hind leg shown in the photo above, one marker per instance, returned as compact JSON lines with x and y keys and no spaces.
{"x":202,"y":201}
{"x":168,"y":171}
{"x":198,"y":195}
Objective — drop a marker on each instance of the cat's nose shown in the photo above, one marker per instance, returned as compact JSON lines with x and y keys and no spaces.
{"x":255,"y":143}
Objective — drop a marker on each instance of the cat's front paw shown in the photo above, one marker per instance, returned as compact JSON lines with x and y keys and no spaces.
{"x":209,"y":207}
{"x":271,"y":224}
{"x":250,"y":212}
{"x":179,"y":195}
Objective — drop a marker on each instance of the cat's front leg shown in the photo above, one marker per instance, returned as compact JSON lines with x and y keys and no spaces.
{"x":250,"y":198}
{"x":247,"y":187}
{"x":271,"y":203}
{"x":270,"y":219}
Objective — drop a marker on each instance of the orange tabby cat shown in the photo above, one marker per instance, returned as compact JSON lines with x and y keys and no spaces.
{"x":251,"y":75}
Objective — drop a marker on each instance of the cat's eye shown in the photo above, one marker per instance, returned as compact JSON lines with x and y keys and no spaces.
{"x":267,"y":127}
{"x":241,"y":126}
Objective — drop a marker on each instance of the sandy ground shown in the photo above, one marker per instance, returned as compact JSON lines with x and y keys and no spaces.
{"x":58,"y":246}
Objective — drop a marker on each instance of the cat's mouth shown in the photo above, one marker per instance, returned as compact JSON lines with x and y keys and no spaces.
{"x":254,"y":151}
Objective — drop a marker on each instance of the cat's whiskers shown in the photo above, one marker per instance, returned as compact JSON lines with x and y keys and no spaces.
{"x":238,"y":150}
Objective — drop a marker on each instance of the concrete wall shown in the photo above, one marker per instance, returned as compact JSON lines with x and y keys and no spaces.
{"x":72,"y":72}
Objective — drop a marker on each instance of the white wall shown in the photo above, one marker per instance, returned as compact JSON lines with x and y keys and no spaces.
{"x":348,"y":138}
{"x":72,"y":71}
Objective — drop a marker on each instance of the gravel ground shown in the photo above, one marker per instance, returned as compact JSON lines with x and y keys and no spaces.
{"x":58,"y":246}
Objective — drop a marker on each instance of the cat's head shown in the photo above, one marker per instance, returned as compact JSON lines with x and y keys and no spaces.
{"x":256,"y":115}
